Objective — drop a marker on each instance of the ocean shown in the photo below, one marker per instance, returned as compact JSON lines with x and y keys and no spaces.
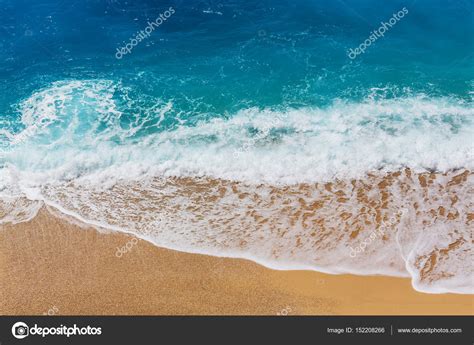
{"x":298,"y":134}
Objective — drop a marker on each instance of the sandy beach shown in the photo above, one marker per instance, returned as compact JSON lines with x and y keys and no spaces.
{"x":51,"y":266}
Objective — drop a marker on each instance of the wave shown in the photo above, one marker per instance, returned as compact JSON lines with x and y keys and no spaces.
{"x":306,"y":188}
{"x":87,"y":122}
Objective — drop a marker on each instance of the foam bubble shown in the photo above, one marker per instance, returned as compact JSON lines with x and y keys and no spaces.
{"x":77,"y":129}
{"x":305,"y":226}
{"x":240,"y":186}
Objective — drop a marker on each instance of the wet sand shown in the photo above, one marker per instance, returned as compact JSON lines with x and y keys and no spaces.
{"x":51,"y":265}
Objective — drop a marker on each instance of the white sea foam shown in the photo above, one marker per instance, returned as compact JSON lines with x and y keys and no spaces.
{"x":80,"y":121}
{"x":77,"y":154}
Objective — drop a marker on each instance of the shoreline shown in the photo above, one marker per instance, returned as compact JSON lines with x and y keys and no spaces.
{"x":323,"y":227}
{"x":48,"y":264}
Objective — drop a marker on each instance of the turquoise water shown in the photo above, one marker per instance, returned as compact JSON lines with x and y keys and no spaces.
{"x":214,"y":61}
{"x":256,"y":92}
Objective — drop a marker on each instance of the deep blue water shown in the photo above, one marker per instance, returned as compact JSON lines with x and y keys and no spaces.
{"x":220,"y":56}
{"x":214,"y":59}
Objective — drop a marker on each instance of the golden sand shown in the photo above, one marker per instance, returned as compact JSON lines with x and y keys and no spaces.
{"x":50,"y":265}
{"x":318,"y":224}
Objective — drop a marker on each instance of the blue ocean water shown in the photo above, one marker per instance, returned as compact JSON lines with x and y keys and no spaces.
{"x":214,"y":59}
{"x":261,"y":92}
